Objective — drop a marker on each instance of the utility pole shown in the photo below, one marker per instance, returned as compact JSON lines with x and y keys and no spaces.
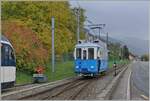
{"x":97,"y":26}
{"x":78,"y":24}
{"x":107,"y":39}
{"x":53,"y":49}
{"x":99,"y":32}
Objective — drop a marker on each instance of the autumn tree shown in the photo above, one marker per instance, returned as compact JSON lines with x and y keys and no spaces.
{"x":28,"y":25}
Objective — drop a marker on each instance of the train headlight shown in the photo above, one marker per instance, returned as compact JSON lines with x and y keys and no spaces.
{"x":77,"y":67}
{"x":92,"y":67}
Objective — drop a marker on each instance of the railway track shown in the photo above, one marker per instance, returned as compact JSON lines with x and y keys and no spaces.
{"x":70,"y":86}
{"x":76,"y":93}
{"x":69,"y":89}
{"x":74,"y":88}
{"x":27,"y":90}
{"x":58,"y":91}
{"x":18,"y":87}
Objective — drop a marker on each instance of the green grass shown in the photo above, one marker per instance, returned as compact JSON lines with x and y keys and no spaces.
{"x":110,"y":64}
{"x":22,"y":78}
{"x":62,"y":70}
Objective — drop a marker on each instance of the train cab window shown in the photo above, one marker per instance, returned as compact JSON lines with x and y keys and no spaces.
{"x":4,"y":55}
{"x":84,"y":55}
{"x":7,"y":56}
{"x":78,"y":53}
{"x":90,"y":53}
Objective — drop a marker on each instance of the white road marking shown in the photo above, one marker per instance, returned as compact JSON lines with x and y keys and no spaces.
{"x":128,"y":87}
{"x":144,"y":97}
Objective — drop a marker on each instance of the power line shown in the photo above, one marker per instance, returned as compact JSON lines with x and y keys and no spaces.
{"x":78,"y":3}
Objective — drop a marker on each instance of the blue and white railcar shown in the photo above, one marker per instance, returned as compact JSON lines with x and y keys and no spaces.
{"x":91,"y":58}
{"x":8,"y":64}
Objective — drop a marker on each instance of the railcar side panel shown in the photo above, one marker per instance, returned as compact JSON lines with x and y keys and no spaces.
{"x":103,"y":65}
{"x":9,"y":73}
{"x":8,"y":64}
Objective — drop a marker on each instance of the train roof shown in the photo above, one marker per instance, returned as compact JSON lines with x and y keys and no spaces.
{"x":90,"y":44}
{"x":5,"y":40}
{"x":87,"y":45}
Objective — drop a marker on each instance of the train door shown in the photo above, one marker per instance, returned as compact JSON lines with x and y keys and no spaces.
{"x":8,"y":64}
{"x":2,"y":62}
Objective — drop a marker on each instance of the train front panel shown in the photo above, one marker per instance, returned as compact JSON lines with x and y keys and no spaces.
{"x":86,"y":66}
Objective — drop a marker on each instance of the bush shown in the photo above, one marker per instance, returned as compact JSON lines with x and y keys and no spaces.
{"x":145,"y":57}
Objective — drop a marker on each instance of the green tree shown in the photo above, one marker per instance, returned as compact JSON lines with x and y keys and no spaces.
{"x":145,"y":57}
{"x":28,"y":25}
{"x":114,"y":49}
{"x":125,"y":52}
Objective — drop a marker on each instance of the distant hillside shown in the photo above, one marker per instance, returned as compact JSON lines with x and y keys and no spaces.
{"x":113,"y":40}
{"x":137,"y":46}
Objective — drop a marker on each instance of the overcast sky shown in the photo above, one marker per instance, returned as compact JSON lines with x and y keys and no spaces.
{"x":122,"y":18}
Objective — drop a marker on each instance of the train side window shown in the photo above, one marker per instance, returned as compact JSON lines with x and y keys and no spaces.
{"x":11,"y":57}
{"x":11,"y":54}
{"x":6,"y":53}
{"x":90,"y":53}
{"x":100,"y":53}
{"x":78,"y":53}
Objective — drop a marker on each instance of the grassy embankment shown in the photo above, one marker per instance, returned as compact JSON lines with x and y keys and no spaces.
{"x":63,"y":70}
{"x":118,"y":62}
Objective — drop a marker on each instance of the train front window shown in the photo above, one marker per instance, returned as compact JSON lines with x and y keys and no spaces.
{"x":84,"y":54}
{"x":90,"y":53}
{"x":78,"y":53}
{"x":7,"y":56}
